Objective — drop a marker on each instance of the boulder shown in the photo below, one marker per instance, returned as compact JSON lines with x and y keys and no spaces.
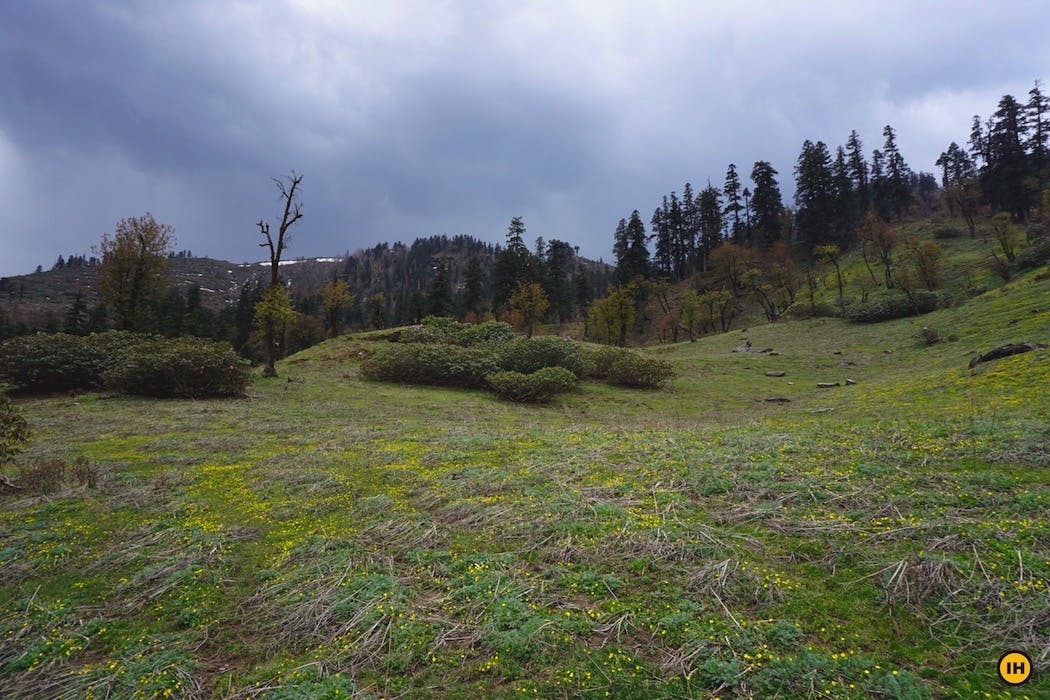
{"x":1005,"y":351}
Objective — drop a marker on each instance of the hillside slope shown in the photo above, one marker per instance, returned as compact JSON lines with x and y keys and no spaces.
{"x":326,"y":535}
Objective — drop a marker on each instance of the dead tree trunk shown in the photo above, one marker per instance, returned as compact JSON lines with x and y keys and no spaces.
{"x":293,"y":211}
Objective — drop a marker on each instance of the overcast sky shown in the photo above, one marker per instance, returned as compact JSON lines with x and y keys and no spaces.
{"x":410,"y":119}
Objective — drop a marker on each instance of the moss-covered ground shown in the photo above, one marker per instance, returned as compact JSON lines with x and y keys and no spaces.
{"x":329,"y":537}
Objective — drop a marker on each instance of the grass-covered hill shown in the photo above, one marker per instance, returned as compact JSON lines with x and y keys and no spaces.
{"x":735,"y":534}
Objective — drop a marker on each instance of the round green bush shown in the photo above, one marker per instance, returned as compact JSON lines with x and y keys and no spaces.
{"x":430,"y":363}
{"x":641,"y":372}
{"x":181,"y":367}
{"x":537,"y":387}
{"x":527,"y":355}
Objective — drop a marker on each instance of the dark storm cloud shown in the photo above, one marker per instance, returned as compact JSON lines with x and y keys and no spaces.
{"x":416,"y":118}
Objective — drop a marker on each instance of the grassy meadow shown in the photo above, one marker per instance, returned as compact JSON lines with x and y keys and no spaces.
{"x":732,"y":535}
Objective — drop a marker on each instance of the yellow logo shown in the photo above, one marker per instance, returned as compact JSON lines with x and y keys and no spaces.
{"x":1015,"y":667}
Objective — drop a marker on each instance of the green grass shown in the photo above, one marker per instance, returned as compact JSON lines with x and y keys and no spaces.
{"x":330,"y":537}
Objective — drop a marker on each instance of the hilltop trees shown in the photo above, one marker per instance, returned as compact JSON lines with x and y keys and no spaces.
{"x":133,"y":272}
{"x":274,"y":310}
{"x":1009,"y":156}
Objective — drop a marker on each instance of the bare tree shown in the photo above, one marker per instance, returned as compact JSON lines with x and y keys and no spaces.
{"x":269,"y":318}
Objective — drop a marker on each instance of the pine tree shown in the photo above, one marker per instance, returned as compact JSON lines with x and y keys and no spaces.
{"x":637,"y":250}
{"x":978,"y":143}
{"x":733,"y":207}
{"x":847,"y":207}
{"x":620,"y":252}
{"x":858,"y":172}
{"x":880,"y":197}
{"x":662,"y":232}
{"x":748,"y":228}
{"x":711,"y":222}
{"x":1003,"y":178}
{"x":814,"y":195}
{"x":558,"y":285}
{"x":439,"y":301}
{"x":674,"y":219}
{"x":473,"y":286}
{"x":77,"y":317}
{"x":512,"y":264}
{"x":1037,"y":114}
{"x":898,"y":175}
{"x":766,"y":204}
{"x":690,"y":232}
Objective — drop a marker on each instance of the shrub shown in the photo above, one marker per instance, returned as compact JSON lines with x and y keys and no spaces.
{"x":437,"y":329}
{"x":640,"y":372}
{"x":527,"y":355}
{"x":431,"y":363}
{"x":51,"y":362}
{"x":485,"y":332}
{"x":887,"y":305}
{"x":14,"y":431}
{"x":803,"y":309}
{"x":537,"y":387}
{"x":947,"y":231}
{"x":41,"y":476}
{"x":928,"y":336}
{"x":599,"y":360}
{"x":1034,"y":255}
{"x":62,"y":362}
{"x":181,"y":367}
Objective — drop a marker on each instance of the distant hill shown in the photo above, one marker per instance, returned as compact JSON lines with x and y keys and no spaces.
{"x":400,"y":271}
